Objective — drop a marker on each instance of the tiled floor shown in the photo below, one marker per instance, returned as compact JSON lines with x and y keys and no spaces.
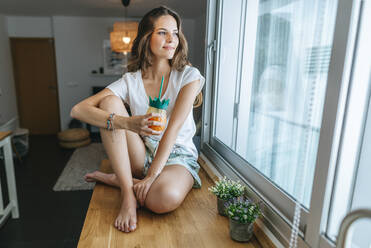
{"x":47,"y":218}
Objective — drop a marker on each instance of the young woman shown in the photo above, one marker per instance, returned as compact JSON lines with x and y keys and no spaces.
{"x":155,"y":169}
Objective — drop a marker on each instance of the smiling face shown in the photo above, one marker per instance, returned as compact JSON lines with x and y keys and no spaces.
{"x":164,"y":39}
{"x":159,"y":38}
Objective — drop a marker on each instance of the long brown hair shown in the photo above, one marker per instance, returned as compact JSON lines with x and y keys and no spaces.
{"x":141,"y":55}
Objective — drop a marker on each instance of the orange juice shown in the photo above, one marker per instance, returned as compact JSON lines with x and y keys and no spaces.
{"x":161,"y":119}
{"x":158,"y":106}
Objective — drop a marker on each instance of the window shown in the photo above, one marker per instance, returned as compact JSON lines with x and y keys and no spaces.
{"x":271,"y":82}
{"x":274,"y":75}
{"x":353,"y":170}
{"x":289,"y":76}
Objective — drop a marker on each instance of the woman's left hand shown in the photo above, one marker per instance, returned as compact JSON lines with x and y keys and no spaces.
{"x":142,"y":187}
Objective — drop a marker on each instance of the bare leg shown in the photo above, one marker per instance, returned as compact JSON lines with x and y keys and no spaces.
{"x":110,"y":179}
{"x":165,"y":194}
{"x":169,"y":190}
{"x":122,"y":160}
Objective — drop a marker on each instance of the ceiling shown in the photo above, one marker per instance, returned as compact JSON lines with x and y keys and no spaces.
{"x":99,"y":8}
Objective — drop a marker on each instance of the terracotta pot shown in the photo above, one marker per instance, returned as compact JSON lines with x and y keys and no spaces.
{"x":241,"y":232}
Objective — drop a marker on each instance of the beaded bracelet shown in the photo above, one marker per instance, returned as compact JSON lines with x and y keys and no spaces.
{"x":110,"y":125}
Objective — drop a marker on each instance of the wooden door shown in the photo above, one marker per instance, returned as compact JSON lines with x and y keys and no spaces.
{"x":36,"y":84}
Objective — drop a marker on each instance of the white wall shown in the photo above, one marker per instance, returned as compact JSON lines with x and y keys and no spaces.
{"x":21,"y":26}
{"x":189,"y":30}
{"x":8,"y":102}
{"x":78,"y":46}
{"x":198,"y":45}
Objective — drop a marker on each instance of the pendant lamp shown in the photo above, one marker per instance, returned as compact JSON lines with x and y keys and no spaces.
{"x":123,"y":34}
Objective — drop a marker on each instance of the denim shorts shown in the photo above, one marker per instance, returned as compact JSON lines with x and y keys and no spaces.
{"x":179,"y":155}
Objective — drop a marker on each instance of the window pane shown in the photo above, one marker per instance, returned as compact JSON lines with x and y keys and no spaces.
{"x":353,"y":171}
{"x":360,"y":235}
{"x":227,"y":71}
{"x":286,"y":91}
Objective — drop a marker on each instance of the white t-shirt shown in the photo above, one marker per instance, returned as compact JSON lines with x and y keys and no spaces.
{"x":131,"y":90}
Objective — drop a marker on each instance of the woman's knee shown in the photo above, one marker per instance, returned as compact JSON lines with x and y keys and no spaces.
{"x":111,"y":102}
{"x":166,"y":200}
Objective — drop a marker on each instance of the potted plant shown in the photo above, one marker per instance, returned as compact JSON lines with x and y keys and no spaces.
{"x":225,"y":190}
{"x":242,"y":214}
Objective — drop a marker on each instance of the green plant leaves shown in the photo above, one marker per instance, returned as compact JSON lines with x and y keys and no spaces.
{"x":242,"y":210}
{"x":226,"y":189}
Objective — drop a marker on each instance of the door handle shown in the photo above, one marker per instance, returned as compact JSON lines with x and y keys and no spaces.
{"x":347,"y":222}
{"x":53,"y":88}
{"x":211,"y":48}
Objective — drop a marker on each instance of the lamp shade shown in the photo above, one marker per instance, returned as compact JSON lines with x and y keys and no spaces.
{"x":123,"y":35}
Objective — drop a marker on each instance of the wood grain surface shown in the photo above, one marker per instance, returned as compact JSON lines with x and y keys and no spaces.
{"x":195,"y":223}
{"x":3,"y":135}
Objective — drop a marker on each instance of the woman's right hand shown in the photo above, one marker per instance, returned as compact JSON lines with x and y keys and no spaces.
{"x":139,"y":124}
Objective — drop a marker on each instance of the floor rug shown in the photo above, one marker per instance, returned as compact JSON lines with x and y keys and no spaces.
{"x":83,"y":160}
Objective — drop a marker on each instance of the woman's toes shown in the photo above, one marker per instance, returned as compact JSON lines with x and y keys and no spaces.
{"x":132,"y":225}
{"x":127,"y":226}
{"x":89,"y":177}
{"x":119,"y":224}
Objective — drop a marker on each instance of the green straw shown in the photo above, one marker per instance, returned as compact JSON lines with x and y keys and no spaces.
{"x":162,"y":80}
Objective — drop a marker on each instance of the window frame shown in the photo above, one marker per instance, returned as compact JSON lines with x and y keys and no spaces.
{"x":279,"y":207}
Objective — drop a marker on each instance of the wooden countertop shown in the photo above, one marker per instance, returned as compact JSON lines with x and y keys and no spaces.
{"x":3,"y":135}
{"x":196,"y":223}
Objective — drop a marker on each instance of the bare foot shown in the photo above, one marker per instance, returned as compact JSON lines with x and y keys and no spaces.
{"x":109,"y":179}
{"x":126,"y":220}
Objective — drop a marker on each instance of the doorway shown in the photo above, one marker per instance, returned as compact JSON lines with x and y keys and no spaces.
{"x":35,"y":79}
